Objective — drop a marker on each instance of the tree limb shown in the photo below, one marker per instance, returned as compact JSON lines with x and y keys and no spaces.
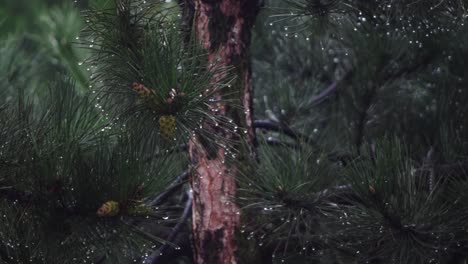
{"x":267,"y":124}
{"x":170,"y":190}
{"x":157,"y":255}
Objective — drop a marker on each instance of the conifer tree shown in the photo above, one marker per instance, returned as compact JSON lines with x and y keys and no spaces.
{"x":130,"y":131}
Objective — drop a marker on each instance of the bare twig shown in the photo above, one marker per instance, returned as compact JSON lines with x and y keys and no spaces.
{"x":330,"y":89}
{"x":276,"y":142}
{"x":283,"y":128}
{"x":321,"y":96}
{"x":457,"y":168}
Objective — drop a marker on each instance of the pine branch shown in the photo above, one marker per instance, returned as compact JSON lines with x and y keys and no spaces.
{"x":428,"y":164}
{"x":409,"y":69}
{"x":165,"y":249}
{"x":370,"y":95}
{"x":457,"y":168}
{"x":276,"y":142}
{"x":448,"y":170}
{"x":334,"y":196}
{"x":368,"y":98}
{"x":330,"y":89}
{"x":270,"y":125}
{"x":267,"y":124}
{"x":176,"y":184}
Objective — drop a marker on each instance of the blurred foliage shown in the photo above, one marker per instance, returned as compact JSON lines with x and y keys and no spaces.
{"x":21,"y":16}
{"x":407,"y":72}
{"x":347,"y":75}
{"x":47,"y":32}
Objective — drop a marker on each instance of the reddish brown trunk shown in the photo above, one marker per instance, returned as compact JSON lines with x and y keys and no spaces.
{"x":223,"y":29}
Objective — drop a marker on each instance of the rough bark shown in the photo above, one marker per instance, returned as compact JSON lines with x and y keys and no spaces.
{"x":223,"y":29}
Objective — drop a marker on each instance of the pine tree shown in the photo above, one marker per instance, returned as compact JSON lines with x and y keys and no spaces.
{"x":130,"y":131}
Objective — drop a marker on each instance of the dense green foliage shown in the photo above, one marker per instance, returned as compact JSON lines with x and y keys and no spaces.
{"x":361,"y":117}
{"x":379,"y":87}
{"x":63,"y":156}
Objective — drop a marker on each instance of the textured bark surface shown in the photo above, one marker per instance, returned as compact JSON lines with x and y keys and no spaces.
{"x":223,"y":29}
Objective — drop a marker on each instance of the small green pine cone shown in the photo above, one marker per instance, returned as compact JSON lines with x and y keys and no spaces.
{"x":167,"y":124}
{"x":109,"y":208}
{"x":140,"y":210}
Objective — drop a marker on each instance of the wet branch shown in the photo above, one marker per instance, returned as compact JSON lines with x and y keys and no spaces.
{"x":170,"y":190}
{"x":165,"y":249}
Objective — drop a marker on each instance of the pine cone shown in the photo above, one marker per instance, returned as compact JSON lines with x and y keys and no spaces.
{"x":142,"y":90}
{"x":109,"y":208}
{"x":167,"y":124}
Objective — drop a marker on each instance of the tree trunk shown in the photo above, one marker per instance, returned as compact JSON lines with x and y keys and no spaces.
{"x":223,"y":29}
